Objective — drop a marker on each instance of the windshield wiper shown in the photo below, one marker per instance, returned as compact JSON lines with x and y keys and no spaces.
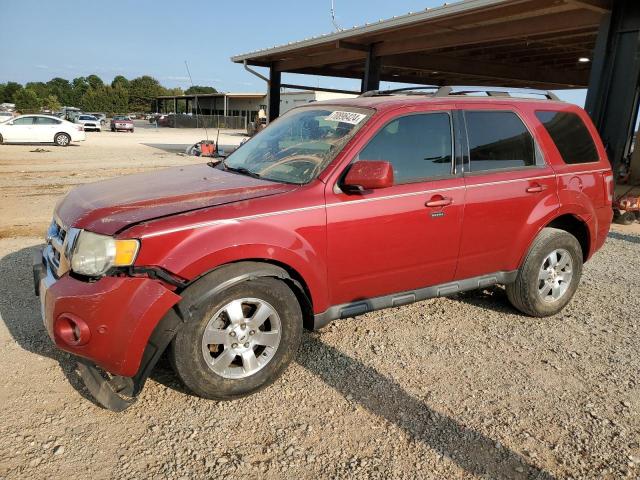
{"x":241,"y":170}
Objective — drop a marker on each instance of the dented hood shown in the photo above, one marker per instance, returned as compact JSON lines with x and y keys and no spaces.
{"x":111,"y":205}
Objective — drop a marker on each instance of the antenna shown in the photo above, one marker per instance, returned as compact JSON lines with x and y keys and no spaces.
{"x":333,"y":17}
{"x":206,"y":133}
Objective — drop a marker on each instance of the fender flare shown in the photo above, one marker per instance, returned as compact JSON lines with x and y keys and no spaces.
{"x":221,"y":278}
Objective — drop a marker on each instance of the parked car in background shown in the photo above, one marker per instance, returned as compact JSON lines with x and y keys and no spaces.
{"x":101,"y":117}
{"x":121,"y":122}
{"x":337,"y":209}
{"x":4,"y":116}
{"x":88,"y":121}
{"x":40,"y":129}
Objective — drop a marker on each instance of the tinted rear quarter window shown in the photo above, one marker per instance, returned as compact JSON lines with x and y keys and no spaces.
{"x":570,"y":134}
{"x":498,"y":140}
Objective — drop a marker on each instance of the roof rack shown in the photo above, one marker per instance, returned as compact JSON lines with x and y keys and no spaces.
{"x":446,"y":91}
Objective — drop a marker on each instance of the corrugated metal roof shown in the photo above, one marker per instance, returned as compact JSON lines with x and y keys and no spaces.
{"x":381,"y":25}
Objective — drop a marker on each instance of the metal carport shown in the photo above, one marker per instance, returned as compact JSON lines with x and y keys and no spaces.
{"x":546,"y":44}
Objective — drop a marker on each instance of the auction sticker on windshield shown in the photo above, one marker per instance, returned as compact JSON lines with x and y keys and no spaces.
{"x":346,"y":117}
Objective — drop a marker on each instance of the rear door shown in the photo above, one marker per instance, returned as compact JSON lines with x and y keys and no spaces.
{"x":406,"y":236}
{"x":45,"y":128}
{"x":510,"y":190}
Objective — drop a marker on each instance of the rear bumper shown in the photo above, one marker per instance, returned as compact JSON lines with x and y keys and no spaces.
{"x":112,"y":318}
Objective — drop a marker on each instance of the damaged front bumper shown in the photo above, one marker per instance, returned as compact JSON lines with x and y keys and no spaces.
{"x":118,"y":324}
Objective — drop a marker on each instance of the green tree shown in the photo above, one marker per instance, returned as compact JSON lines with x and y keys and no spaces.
{"x":61,"y":88}
{"x":2,"y":88}
{"x":195,"y":89}
{"x":173,"y":91}
{"x":27,"y":101}
{"x":51,"y":102}
{"x":79,"y":87}
{"x":105,"y":99}
{"x":119,"y":99}
{"x":120,"y":81}
{"x":142,"y":91}
{"x":95,"y":81}
{"x":40,"y":88}
{"x":10,"y":91}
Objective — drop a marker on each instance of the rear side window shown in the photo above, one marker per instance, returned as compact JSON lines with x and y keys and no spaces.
{"x":570,"y":135}
{"x":498,"y":140}
{"x":46,"y":121}
{"x":418,"y":146}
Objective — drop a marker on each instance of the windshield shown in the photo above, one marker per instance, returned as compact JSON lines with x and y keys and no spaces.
{"x":87,"y":117}
{"x":299,"y":145}
{"x":120,"y":117}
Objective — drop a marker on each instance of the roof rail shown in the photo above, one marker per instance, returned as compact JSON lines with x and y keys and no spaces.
{"x":446,"y":91}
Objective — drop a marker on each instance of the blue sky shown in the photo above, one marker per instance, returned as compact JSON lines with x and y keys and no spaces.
{"x":70,"y":38}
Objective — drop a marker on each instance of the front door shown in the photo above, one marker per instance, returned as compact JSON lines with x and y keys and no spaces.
{"x":20,"y":130}
{"x":403,"y":237}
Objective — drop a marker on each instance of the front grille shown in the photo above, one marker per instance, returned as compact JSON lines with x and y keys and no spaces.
{"x":57,"y":249}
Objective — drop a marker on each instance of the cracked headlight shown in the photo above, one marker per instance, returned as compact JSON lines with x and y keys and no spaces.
{"x":93,"y":254}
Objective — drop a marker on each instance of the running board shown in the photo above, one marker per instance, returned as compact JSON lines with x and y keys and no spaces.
{"x":360,"y":307}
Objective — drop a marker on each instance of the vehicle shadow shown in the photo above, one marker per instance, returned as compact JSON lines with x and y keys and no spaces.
{"x":170,"y":147}
{"x":469,"y":449}
{"x":20,"y":312}
{"x":625,"y":236}
{"x":488,"y":298}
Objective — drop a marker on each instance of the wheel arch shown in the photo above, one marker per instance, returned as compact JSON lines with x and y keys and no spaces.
{"x":61,"y":133}
{"x":577,"y":227}
{"x":221,"y":277}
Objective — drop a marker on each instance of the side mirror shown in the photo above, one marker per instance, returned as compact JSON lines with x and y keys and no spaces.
{"x":368,"y":175}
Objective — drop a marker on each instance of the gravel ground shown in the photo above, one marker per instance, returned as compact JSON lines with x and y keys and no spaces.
{"x":449,"y":388}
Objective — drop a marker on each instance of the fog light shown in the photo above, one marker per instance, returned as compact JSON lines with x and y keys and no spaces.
{"x":71,"y":330}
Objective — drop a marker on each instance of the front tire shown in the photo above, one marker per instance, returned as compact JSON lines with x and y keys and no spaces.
{"x":549,"y":275}
{"x":241,"y":342}
{"x":626,"y":218}
{"x":62,"y":139}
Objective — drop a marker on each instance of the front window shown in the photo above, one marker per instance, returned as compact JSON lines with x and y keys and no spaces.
{"x":418,"y":147}
{"x":297,"y":147}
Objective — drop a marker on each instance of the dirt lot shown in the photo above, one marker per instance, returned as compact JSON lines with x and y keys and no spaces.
{"x":449,"y":388}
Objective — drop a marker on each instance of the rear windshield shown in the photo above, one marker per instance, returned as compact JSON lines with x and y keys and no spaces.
{"x":570,"y":135}
{"x":120,"y":118}
{"x":87,"y":117}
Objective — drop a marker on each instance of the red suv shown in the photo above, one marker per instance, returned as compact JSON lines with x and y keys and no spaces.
{"x":336,"y":209}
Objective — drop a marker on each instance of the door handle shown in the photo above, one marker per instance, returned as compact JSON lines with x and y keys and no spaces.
{"x":439,"y":201}
{"x":535,"y":188}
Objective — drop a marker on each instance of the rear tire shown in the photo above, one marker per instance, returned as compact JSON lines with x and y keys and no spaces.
{"x":62,"y":139}
{"x":549,"y":275}
{"x":217,"y":358}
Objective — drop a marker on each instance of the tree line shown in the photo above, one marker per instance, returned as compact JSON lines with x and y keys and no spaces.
{"x":91,"y":94}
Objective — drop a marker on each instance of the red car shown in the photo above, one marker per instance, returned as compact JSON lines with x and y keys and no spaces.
{"x":121,"y":122}
{"x":336,"y":209}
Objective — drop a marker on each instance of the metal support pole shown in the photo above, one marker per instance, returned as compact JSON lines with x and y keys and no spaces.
{"x":275,"y":79}
{"x":175,"y":104}
{"x":612,"y":98}
{"x":371,"y":78}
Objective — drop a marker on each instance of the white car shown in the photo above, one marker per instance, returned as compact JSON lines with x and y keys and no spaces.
{"x":40,"y":129}
{"x":88,"y":121}
{"x":4,"y":116}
